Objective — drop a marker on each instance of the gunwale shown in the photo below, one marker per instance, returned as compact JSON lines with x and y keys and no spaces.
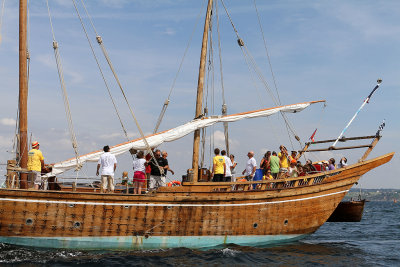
{"x":195,"y":192}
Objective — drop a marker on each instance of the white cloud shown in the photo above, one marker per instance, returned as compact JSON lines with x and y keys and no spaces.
{"x":169,"y":31}
{"x":5,"y":142}
{"x":8,"y":122}
{"x":367,"y":21}
{"x":111,"y":136}
{"x":219,"y":141}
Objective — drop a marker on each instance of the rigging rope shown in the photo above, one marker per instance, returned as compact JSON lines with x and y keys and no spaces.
{"x":167,"y":101}
{"x":103,"y":49}
{"x":271,"y":70}
{"x":266,"y":50}
{"x":1,"y":18}
{"x":64,"y":91}
{"x":28,"y":57}
{"x":224,"y":106}
{"x":247,"y":53}
{"x":101,"y":73}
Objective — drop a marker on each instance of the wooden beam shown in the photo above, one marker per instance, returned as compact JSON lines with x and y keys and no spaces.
{"x":23,"y":92}
{"x":373,"y":144}
{"x":305,"y":149}
{"x":200,"y":87}
{"x":343,"y":139}
{"x":335,"y":148}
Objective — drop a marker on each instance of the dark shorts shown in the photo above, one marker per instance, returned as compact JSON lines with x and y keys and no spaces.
{"x":227,"y":178}
{"x":218,"y":177}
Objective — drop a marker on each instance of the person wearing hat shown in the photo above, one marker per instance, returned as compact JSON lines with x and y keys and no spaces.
{"x":293,"y":156}
{"x":36,"y":164}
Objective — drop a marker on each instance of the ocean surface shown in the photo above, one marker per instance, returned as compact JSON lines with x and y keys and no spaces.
{"x":375,"y":241}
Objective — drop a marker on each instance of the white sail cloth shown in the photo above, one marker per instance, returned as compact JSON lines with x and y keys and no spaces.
{"x":157,"y":139}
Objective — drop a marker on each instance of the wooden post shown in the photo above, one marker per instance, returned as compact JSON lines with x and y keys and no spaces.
{"x":373,"y":144}
{"x":23,"y":93}
{"x":200,"y":86}
{"x":303,"y":151}
{"x":73,"y":187}
{"x":10,"y":180}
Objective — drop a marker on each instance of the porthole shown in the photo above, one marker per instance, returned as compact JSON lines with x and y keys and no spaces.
{"x":169,"y":207}
{"x":29,"y":221}
{"x":286,"y":222}
{"x":71,"y":205}
{"x":77,"y":224}
{"x":126,"y":207}
{"x":255,"y":225}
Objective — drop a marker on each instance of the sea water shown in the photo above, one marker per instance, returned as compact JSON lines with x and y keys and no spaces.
{"x":375,"y":241}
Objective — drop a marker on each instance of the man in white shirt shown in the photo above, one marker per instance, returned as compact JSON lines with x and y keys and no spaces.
{"x":108,"y":164}
{"x":228,"y":164}
{"x":251,"y":166}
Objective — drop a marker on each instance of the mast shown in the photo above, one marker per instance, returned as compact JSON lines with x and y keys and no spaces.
{"x":23,"y":92}
{"x":200,"y":87}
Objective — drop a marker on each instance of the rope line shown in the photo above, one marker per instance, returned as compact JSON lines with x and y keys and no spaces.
{"x":64,"y":91}
{"x":267,"y":52}
{"x":100,"y":70}
{"x":224,"y":106}
{"x":1,"y":18}
{"x":167,"y":101}
{"x":247,"y":53}
{"x":103,"y":49}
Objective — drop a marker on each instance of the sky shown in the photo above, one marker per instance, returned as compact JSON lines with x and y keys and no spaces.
{"x":331,"y":50}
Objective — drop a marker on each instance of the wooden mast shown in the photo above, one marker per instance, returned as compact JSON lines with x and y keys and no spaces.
{"x":200,"y":86}
{"x":23,"y":92}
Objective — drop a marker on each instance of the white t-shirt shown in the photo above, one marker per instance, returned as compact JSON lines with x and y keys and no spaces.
{"x":228,"y":165}
{"x":107,"y":161}
{"x":138,"y":165}
{"x":251,"y":163}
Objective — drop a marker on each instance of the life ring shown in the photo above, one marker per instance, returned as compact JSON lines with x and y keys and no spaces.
{"x":174,"y":183}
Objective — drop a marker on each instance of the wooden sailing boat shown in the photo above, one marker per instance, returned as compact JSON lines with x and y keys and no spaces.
{"x":348,"y":211}
{"x":195,"y":215}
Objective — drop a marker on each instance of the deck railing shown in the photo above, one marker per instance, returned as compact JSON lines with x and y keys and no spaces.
{"x":93,"y":184}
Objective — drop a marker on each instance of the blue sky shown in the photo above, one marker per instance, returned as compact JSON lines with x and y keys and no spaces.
{"x":332,"y":50}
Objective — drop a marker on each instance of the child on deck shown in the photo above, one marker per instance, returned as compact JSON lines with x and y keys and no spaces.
{"x":139,"y":177}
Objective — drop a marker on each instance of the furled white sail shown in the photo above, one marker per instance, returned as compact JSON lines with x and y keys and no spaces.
{"x":157,"y":139}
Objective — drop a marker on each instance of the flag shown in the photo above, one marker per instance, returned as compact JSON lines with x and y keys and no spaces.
{"x":378,"y":133}
{"x":312,"y":136}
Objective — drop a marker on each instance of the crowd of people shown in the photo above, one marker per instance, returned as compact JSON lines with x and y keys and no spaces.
{"x":150,"y":171}
{"x":273,"y":165}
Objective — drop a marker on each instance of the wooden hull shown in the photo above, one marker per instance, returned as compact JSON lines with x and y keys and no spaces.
{"x":348,"y":211}
{"x":193,"y":215}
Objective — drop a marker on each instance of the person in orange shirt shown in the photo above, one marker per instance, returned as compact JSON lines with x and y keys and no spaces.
{"x":36,"y":164}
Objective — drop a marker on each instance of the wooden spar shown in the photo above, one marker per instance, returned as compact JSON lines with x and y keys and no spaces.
{"x":305,"y":149}
{"x":200,"y":86}
{"x":335,"y":148}
{"x":23,"y":92}
{"x":344,"y":139}
{"x":308,"y":144}
{"x":373,"y":144}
